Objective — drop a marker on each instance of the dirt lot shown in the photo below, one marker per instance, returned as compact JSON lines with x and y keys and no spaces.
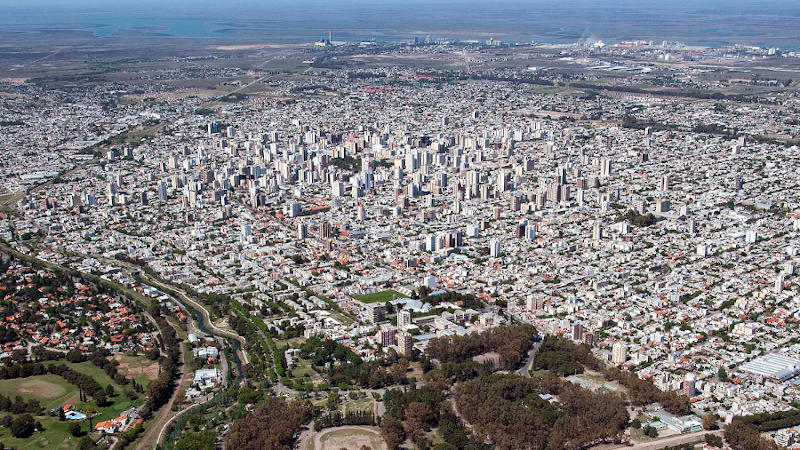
{"x":135,"y":366}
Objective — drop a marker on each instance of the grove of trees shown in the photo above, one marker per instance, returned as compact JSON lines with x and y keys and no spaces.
{"x":564,"y":357}
{"x":272,"y":426}
{"x":508,"y":411}
{"x":510,"y":342}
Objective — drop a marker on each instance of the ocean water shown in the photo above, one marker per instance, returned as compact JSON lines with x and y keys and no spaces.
{"x":770,"y":23}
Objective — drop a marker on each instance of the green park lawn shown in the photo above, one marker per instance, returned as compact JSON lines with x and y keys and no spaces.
{"x":380,"y":297}
{"x":363,"y":404}
{"x":50,"y":390}
{"x":56,"y":435}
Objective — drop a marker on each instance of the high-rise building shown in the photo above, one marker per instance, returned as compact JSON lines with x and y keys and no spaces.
{"x":403,"y":319}
{"x":530,"y":232}
{"x":780,"y":279}
{"x":597,"y":231}
{"x":302,"y":230}
{"x":494,"y":247}
{"x":577,"y":332}
{"x":619,"y":353}
{"x":376,"y":312}
{"x":689,"y":385}
{"x":387,"y":337}
{"x":293,"y":209}
{"x":337,"y":189}
{"x":663,"y":185}
{"x":502,"y":181}
{"x":605,"y":168}
{"x":405,"y":344}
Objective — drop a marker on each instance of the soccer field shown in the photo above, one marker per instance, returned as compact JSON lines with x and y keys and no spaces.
{"x":382,"y":296}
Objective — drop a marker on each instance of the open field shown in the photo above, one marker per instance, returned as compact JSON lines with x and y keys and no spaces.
{"x":7,"y":200}
{"x":142,"y":369}
{"x":50,"y":390}
{"x":381,"y":296}
{"x":362,"y":404}
{"x":351,"y":438}
{"x":304,"y":368}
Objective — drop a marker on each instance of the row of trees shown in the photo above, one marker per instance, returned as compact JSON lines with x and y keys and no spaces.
{"x":161,"y":389}
{"x":99,"y":358}
{"x":764,"y":422}
{"x":466,"y":300}
{"x":86,"y":383}
{"x":690,"y":93}
{"x":337,"y":419}
{"x":509,"y":342}
{"x":19,"y":405}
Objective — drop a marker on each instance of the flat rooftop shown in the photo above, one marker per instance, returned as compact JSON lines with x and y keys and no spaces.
{"x":773,"y":365}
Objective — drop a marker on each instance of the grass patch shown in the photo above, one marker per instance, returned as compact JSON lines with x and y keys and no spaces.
{"x":56,"y":435}
{"x":380,"y":297}
{"x":302,"y":370}
{"x":142,"y":369}
{"x":7,"y":201}
{"x":337,"y":438}
{"x":50,"y":390}
{"x":364,"y":404}
{"x":597,"y":378}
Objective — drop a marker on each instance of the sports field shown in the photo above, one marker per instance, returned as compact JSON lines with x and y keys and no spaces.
{"x":350,"y":438}
{"x":381,"y":296}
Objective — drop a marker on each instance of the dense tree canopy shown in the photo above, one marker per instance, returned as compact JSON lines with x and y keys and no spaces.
{"x":564,"y":357}
{"x":510,"y":342}
{"x":508,"y":411}
{"x":272,"y":426}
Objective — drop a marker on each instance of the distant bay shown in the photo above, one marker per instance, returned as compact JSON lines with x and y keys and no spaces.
{"x":711,"y":23}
